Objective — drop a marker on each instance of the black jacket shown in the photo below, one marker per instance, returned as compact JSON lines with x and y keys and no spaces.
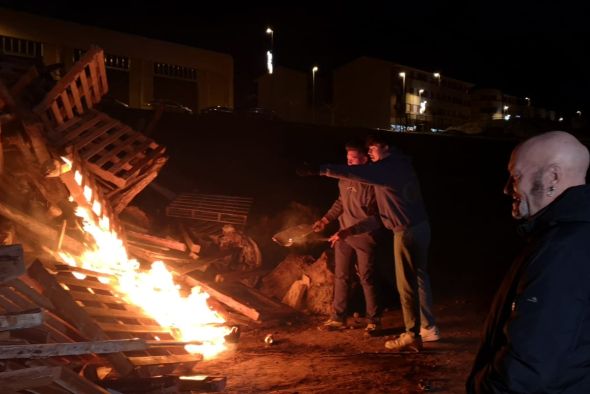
{"x":537,"y":335}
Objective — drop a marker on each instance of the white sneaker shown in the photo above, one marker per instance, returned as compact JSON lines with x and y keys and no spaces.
{"x":431,"y":334}
{"x":405,"y":342}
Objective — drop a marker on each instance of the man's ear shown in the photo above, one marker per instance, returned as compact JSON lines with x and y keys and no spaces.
{"x":554,"y":175}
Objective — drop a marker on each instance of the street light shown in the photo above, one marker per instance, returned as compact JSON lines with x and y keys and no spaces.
{"x":579,"y":113}
{"x":271,"y":33}
{"x":420,"y":93}
{"x":314,"y":70}
{"x":437,"y":77}
{"x":528,"y":101}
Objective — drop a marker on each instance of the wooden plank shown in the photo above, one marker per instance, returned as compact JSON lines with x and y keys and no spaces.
{"x":56,"y":112}
{"x":70,"y":310}
{"x":39,"y":228}
{"x":24,"y":81}
{"x":21,"y":320}
{"x":111,"y":312}
{"x":124,"y":163}
{"x":105,"y":299}
{"x":69,"y":280}
{"x":29,"y":378}
{"x":95,"y":83}
{"x":102,"y":73}
{"x":245,"y":310}
{"x":97,"y":147}
{"x":193,"y":247}
{"x":68,"y":135}
{"x":168,"y":243}
{"x":35,"y":132}
{"x":12,"y":263}
{"x":126,"y":197}
{"x":75,"y":383}
{"x":123,"y":145}
{"x":106,"y":175}
{"x":66,"y":104}
{"x":86,"y":90}
{"x":71,"y":349}
{"x":30,"y":293}
{"x":133,"y":328}
{"x":91,"y":135}
{"x":160,"y":360}
{"x":76,"y":98}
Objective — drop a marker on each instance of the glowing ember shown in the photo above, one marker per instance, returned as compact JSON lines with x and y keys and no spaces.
{"x":189,"y":317}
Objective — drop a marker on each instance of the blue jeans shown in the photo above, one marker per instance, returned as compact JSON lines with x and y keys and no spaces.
{"x":363,"y":245}
{"x":410,"y":250}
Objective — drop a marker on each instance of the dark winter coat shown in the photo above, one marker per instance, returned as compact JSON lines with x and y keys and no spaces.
{"x":537,"y":334}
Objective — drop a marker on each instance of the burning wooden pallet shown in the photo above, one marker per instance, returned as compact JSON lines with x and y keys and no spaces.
{"x":98,"y":311}
{"x":113,"y":151}
{"x":82,"y":88}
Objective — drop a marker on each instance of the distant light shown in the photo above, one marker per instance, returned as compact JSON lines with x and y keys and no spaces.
{"x":402,"y":74}
{"x":269,"y":30}
{"x":507,"y":117}
{"x":423,"y":106}
{"x":517,"y":116}
{"x":436,"y":75}
{"x":579,"y":113}
{"x":314,"y":69}
{"x":420,"y":91}
{"x":506,"y":107}
{"x":560,"y":119}
{"x":527,"y":99}
{"x":269,"y":62}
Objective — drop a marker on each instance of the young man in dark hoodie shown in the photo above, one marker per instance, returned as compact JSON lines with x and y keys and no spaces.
{"x":537,"y":334}
{"x":401,"y":209}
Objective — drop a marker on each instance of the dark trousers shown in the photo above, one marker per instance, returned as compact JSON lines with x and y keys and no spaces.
{"x":363,"y":246}
{"x":410,"y":250}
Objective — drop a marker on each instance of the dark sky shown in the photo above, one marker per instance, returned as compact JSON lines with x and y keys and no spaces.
{"x":529,"y":48}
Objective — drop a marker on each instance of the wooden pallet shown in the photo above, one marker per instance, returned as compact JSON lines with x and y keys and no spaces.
{"x":112,"y":150}
{"x":211,"y":208}
{"x":98,"y":311}
{"x":78,"y":91}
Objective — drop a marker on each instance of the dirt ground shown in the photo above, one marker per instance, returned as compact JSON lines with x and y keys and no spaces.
{"x":303,"y":359}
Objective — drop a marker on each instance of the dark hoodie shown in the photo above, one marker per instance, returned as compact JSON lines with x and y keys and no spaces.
{"x":537,"y":334}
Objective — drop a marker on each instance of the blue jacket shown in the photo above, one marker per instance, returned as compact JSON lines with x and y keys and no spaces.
{"x":537,"y":334}
{"x":397,"y":190}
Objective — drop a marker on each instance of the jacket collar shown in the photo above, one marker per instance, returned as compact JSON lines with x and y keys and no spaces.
{"x":573,"y":205}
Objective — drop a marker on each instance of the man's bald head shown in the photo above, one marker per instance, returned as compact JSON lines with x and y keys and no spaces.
{"x":557,"y":148}
{"x":542,"y":168}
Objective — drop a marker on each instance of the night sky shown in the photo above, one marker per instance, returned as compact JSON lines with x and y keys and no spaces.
{"x":537,"y":49}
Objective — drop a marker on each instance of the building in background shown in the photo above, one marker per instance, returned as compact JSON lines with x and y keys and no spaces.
{"x":140,"y":70}
{"x":370,"y":92}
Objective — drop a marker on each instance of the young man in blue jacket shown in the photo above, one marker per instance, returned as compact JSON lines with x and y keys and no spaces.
{"x":537,"y":334}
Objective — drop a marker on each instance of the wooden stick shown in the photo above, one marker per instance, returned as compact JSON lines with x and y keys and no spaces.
{"x":42,"y":230}
{"x":71,"y":349}
{"x":61,"y":236}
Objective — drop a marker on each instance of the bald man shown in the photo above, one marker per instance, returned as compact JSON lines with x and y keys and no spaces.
{"x":537,"y":334}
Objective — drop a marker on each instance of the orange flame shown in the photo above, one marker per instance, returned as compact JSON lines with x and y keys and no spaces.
{"x":189,"y":318}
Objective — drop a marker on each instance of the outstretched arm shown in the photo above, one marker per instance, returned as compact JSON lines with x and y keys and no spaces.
{"x":372,"y":174}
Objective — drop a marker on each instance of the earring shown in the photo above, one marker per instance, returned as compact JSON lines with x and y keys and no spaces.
{"x":551,"y":190}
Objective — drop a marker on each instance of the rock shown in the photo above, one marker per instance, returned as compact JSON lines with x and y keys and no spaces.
{"x":277,"y":283}
{"x":296,"y":294}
